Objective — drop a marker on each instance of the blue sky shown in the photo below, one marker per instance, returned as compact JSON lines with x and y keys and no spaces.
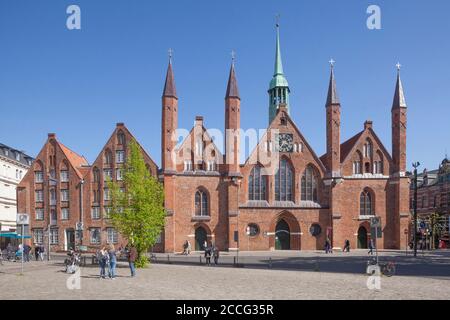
{"x":80,"y":83}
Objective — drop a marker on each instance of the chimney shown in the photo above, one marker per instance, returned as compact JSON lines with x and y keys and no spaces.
{"x":199,"y":121}
{"x":368,"y":124}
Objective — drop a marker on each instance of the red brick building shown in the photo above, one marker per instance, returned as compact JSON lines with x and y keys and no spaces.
{"x":61,"y":190}
{"x":433,"y":198}
{"x":284,"y":196}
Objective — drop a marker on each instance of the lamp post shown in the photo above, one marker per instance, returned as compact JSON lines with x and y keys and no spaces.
{"x":415,"y":166}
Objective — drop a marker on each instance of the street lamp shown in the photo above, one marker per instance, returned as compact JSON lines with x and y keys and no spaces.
{"x":415,"y":166}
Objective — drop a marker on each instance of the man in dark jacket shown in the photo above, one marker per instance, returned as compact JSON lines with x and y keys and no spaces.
{"x":26,"y":253}
{"x":132,"y":255}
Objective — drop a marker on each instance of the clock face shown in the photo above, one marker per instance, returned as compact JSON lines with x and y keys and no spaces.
{"x":285,"y":142}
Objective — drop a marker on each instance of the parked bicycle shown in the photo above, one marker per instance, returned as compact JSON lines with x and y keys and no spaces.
{"x":386,"y":268}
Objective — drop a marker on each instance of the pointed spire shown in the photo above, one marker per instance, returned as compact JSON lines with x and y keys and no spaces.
{"x":333,"y":97}
{"x":169,"y":87}
{"x":399,"y":96}
{"x":278,"y":63}
{"x":232,"y":87}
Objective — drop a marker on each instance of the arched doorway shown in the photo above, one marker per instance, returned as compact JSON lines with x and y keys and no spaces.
{"x":282,"y":236}
{"x":362,"y":238}
{"x":200,"y":238}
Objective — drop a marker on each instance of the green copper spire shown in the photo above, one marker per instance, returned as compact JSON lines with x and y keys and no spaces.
{"x":279,"y":87}
{"x":278,"y":63}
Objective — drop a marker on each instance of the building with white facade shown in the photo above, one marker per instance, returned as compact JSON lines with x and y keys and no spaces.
{"x":14,"y":164}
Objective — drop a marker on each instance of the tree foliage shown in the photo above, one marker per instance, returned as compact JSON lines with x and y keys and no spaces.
{"x":137,"y":204}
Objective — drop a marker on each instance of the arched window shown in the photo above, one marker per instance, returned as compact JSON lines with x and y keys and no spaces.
{"x":120,"y":138}
{"x":201,"y":203}
{"x":309,"y":184}
{"x":283,"y":182}
{"x":96,"y":173}
{"x":365,"y":204}
{"x":108,"y":157}
{"x":257,"y":184}
{"x":368,"y":149}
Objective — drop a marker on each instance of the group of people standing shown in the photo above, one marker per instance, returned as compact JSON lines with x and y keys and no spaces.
{"x":107,"y":259}
{"x":211,"y":251}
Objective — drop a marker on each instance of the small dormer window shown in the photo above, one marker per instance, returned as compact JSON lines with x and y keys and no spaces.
{"x":17,"y":156}
{"x":6,"y":152}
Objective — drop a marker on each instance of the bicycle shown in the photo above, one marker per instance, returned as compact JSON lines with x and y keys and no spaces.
{"x":386,"y":268}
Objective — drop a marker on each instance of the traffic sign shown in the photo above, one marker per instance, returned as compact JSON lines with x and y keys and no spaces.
{"x":23,"y":219}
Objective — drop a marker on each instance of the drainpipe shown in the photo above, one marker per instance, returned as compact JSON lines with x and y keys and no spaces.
{"x":81,"y":209}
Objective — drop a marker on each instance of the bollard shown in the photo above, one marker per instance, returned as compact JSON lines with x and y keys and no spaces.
{"x":201,"y":260}
{"x":270,"y":262}
{"x":168,"y":259}
{"x":316,"y":266}
{"x":234,"y":261}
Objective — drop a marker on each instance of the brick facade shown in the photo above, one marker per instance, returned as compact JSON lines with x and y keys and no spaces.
{"x":58,"y":168}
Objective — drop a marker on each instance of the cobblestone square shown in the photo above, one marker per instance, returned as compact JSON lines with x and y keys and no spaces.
{"x":294,"y":275}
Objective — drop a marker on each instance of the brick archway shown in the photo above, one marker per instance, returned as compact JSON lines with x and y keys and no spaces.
{"x":197,"y":230}
{"x":294,"y":230}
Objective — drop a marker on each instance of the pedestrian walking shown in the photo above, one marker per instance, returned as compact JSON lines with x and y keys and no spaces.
{"x":371,"y":247}
{"x":41,"y":252}
{"x":26,"y":253}
{"x":208,"y":255}
{"x":189,"y":247}
{"x":36,"y":251}
{"x":132,"y":255}
{"x":346,"y":246}
{"x":216,"y":255}
{"x":327,"y":246}
{"x":112,"y":261}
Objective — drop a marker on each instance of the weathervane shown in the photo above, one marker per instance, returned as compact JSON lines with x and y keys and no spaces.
{"x":170,"y":54}
{"x":233,"y":56}
{"x":277,"y":20}
{"x":399,"y":66}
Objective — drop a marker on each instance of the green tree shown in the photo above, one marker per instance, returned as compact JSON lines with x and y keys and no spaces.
{"x":137,"y":204}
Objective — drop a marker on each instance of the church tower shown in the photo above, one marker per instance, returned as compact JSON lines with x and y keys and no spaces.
{"x":169,"y":119}
{"x":398,"y":111}
{"x":279,"y":87}
{"x":333,"y":110}
{"x":232,"y":122}
{"x":168,"y":161}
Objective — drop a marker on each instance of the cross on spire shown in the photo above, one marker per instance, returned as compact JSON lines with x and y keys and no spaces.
{"x":332,"y":62}
{"x":399,"y":66}
{"x":170,"y":51}
{"x":233,"y":55}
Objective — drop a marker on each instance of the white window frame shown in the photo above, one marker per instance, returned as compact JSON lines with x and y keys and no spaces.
{"x":65,"y":195}
{"x":38,"y":236}
{"x":96,"y":240}
{"x":65,"y":214}
{"x":39,"y":195}
{"x":119,"y":174}
{"x":38,"y":176}
{"x":112,"y":236}
{"x":54,"y":236}
{"x":107,"y":173}
{"x":120,"y":156}
{"x":95,"y":213}
{"x":64,"y":175}
{"x":39,"y":214}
